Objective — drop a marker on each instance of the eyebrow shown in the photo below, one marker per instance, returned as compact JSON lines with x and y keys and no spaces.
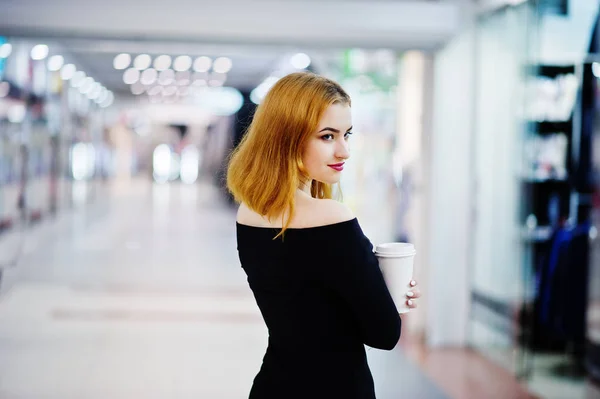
{"x":330,"y":129}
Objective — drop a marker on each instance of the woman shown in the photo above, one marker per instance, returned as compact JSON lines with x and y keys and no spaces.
{"x":311,"y":268}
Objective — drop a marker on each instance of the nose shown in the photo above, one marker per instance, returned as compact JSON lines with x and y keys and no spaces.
{"x":342,"y":150}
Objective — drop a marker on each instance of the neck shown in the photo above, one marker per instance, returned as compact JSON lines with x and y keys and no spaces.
{"x":305,"y":187}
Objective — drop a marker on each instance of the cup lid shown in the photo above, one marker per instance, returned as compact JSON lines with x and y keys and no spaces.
{"x":395,"y":249}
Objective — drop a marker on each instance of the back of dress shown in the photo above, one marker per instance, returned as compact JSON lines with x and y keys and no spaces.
{"x":323,"y":298}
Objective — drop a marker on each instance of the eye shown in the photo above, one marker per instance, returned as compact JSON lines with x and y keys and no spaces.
{"x":327,"y":137}
{"x":347,"y":135}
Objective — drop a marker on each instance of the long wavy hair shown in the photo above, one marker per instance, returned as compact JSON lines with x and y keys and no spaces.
{"x":266,"y":168}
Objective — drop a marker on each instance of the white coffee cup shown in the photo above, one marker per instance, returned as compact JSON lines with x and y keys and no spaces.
{"x":396,"y":260}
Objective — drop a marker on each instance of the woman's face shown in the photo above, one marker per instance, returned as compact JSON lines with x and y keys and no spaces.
{"x":327,"y":148}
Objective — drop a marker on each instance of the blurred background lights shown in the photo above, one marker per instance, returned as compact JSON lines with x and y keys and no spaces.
{"x":131,"y":76}
{"x":94,"y":93}
{"x":103,"y":95}
{"x":257,"y":95}
{"x":300,"y":61}
{"x":222,"y":65}
{"x":77,"y":78}
{"x":149,"y":76}
{"x":166,"y":77}
{"x":108,"y":101}
{"x":183,"y":78}
{"x":67,"y":71}
{"x":161,"y":163}
{"x":190,"y":160}
{"x":142,"y":62}
{"x":182,"y":63}
{"x":87,"y":85}
{"x":16,"y":113}
{"x":39,"y":52}
{"x":162,"y":62}
{"x":156,"y":90}
{"x":202,"y":64}
{"x":5,"y":50}
{"x":138,"y":88}
{"x":122,"y":61}
{"x":222,"y":101}
{"x":170,"y":90}
{"x":83,"y":160}
{"x":55,"y":63}
{"x":596,"y":69}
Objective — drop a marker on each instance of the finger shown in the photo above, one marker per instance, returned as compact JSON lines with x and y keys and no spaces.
{"x":413,"y":283}
{"x":415,"y":293}
{"x":411,"y":304}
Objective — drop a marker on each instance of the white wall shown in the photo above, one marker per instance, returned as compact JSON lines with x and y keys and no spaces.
{"x":411,"y":157}
{"x":450,"y":188}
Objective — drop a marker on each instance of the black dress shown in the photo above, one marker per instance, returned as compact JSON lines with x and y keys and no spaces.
{"x":323,"y":297}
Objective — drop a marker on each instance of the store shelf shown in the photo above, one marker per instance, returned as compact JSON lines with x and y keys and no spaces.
{"x":548,"y":127}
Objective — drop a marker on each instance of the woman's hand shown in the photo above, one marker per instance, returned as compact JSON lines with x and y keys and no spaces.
{"x":412,"y":295}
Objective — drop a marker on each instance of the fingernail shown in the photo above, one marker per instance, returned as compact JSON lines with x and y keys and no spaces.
{"x":410,"y":294}
{"x":410,"y":302}
{"x":413,"y":283}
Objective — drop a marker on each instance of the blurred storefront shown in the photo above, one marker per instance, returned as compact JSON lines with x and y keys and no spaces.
{"x":51,"y":138}
{"x":517,"y":208}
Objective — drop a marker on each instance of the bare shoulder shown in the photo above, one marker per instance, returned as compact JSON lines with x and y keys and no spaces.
{"x":326,"y":211}
{"x":309,"y":213}
{"x":245,"y":215}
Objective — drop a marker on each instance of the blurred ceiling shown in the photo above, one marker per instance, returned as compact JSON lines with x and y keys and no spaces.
{"x":253,"y":33}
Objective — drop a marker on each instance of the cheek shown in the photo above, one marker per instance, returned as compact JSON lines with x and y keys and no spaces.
{"x":315,"y":155}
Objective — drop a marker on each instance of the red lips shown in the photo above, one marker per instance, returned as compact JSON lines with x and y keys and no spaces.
{"x":337,"y":166}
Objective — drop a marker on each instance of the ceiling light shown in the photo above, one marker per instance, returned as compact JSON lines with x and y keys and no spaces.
{"x":202,"y":64}
{"x":86,"y":85}
{"x":77,"y":78}
{"x":149,"y":76}
{"x":5,"y":50}
{"x":122,"y":61}
{"x":182,"y":63}
{"x":39,"y":52}
{"x":156,"y":90}
{"x":169,"y":91}
{"x":131,"y":76}
{"x":138,"y":88}
{"x":162,"y":62}
{"x":67,"y":71}
{"x":222,"y":65}
{"x":166,"y":77}
{"x":103,"y":95}
{"x":300,"y":61}
{"x":95,"y":91}
{"x":55,"y":62}
{"x":142,"y":62}
{"x":110,"y":98}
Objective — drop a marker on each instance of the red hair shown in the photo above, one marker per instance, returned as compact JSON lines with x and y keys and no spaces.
{"x":266,"y":169}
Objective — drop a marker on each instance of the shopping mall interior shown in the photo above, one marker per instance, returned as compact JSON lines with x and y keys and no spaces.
{"x":119,"y":271}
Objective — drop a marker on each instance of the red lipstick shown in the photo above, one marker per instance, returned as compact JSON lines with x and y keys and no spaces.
{"x":337,"y":166}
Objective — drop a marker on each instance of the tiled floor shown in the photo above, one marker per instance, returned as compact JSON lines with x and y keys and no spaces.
{"x":140,"y":295}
